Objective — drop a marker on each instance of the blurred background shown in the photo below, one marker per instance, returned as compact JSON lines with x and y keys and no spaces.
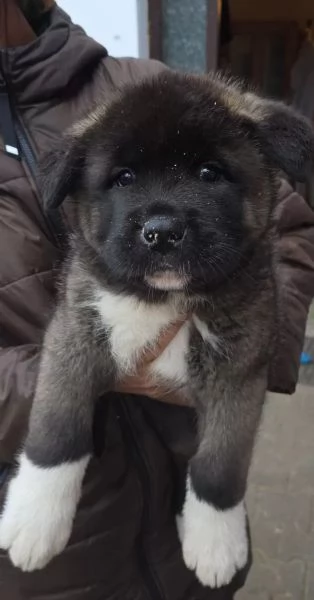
{"x":259,"y":40}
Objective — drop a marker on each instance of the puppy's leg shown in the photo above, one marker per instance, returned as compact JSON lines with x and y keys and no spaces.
{"x":42,"y":497}
{"x":212,"y":526}
{"x":39,"y":511}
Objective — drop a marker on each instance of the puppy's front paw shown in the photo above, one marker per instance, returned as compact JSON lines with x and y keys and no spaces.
{"x":214,"y":542}
{"x":32,"y":535}
{"x":37,"y":519}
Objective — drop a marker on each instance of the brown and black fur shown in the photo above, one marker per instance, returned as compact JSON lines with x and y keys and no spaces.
{"x":164,"y":130}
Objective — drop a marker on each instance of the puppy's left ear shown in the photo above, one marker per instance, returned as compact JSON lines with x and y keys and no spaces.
{"x":60,"y":172}
{"x":286,"y":136}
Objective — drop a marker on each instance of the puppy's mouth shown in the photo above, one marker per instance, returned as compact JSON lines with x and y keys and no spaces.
{"x":167,"y":281}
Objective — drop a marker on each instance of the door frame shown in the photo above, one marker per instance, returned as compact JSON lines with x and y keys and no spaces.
{"x":155,"y":20}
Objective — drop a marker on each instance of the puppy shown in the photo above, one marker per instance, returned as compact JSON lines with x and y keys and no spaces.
{"x":174,"y":191}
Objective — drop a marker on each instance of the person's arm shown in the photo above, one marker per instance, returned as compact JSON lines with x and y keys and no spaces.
{"x":25,"y":305}
{"x":18,"y":368}
{"x":296,"y":273}
{"x":27,"y":290}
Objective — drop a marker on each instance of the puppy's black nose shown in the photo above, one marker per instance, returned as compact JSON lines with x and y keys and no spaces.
{"x":163,"y":232}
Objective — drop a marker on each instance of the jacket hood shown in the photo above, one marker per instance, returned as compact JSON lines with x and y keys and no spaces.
{"x":45,"y":67}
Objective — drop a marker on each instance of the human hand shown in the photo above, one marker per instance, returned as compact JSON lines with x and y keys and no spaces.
{"x":142,"y":384}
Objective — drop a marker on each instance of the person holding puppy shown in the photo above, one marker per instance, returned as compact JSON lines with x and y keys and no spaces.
{"x":124,"y":544}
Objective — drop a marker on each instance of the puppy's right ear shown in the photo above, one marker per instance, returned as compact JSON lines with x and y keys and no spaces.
{"x":287,"y":137}
{"x":60,"y":172}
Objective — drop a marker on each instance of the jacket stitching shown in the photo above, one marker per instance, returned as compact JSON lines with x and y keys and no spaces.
{"x":3,"y":287}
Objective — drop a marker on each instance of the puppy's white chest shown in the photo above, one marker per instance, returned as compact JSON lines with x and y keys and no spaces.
{"x":134,"y":326}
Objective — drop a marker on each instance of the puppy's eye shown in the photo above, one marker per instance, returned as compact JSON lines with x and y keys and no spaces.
{"x":124,"y":178}
{"x":210,"y":172}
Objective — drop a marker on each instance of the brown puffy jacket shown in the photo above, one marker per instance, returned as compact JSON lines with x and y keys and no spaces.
{"x":124,"y":544}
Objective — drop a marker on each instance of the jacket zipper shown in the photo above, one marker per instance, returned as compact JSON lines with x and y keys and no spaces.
{"x":152,"y":585}
{"x":53,"y":222}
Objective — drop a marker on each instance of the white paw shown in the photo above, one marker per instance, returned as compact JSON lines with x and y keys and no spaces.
{"x":37,"y":519}
{"x":214,"y":543}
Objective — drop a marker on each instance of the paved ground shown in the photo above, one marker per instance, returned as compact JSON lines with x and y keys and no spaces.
{"x":281,"y":501}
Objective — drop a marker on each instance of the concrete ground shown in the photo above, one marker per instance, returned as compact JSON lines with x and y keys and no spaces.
{"x":281,"y":496}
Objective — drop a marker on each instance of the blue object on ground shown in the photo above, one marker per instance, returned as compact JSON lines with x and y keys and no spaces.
{"x":306,"y":359}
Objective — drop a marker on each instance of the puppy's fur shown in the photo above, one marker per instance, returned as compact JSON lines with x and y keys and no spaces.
{"x":174,"y":192}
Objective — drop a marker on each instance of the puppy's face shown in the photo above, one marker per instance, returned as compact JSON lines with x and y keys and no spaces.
{"x":173,"y":183}
{"x":166,"y":190}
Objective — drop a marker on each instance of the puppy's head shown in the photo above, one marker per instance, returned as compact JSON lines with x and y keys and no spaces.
{"x":174,"y":180}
